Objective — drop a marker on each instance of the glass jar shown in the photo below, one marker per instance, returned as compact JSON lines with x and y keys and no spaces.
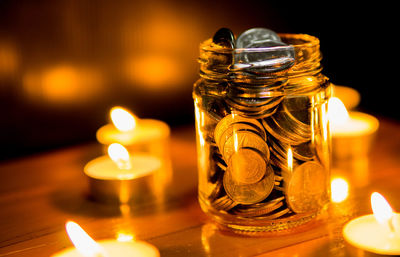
{"x":263,"y":138}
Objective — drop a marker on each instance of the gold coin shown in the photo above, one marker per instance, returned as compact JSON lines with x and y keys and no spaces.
{"x":224,"y":203}
{"x":249,"y":193}
{"x":244,"y":139}
{"x":235,"y":128}
{"x":306,"y":187}
{"x":247,"y":166}
{"x":228,"y":120}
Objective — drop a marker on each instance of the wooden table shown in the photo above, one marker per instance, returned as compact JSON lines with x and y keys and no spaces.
{"x":38,"y":194}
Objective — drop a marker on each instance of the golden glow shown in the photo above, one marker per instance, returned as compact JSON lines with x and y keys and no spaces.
{"x":8,"y":59}
{"x":125,"y":237}
{"x":82,"y":241}
{"x":122,"y":119}
{"x":290,"y":159}
{"x":120,"y":156}
{"x":349,"y":96}
{"x":382,"y":211}
{"x":337,"y":112}
{"x":63,"y":84}
{"x":339,"y":190}
{"x":199,"y":120}
{"x":154,"y":71}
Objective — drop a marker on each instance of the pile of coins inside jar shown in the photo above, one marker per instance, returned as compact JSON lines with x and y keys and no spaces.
{"x":263,"y":162}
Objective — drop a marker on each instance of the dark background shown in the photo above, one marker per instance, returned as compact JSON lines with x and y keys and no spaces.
{"x":64,"y":64}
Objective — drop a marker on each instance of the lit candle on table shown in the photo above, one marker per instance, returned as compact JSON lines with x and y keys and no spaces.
{"x":349,"y":96}
{"x":85,"y":246}
{"x":119,"y":176}
{"x":129,"y":130}
{"x":352,"y":133}
{"x":376,"y":233}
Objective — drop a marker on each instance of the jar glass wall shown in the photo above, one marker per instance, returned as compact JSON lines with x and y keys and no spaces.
{"x":263,"y":139}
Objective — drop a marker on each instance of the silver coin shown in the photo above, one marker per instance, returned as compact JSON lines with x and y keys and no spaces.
{"x":254,"y":35}
{"x":264,"y":57}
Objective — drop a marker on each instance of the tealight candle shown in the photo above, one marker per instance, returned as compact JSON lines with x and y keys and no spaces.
{"x":352,"y":133}
{"x":349,"y":96}
{"x":376,"y":233}
{"x":119,"y":176}
{"x":85,"y":246}
{"x":128,"y":130}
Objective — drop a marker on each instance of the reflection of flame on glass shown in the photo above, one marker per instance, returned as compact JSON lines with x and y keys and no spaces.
{"x":199,"y":120}
{"x":83,"y":242}
{"x":120,"y":156}
{"x":290,"y":159}
{"x":122,"y":119}
{"x":339,"y":190}
{"x":337,"y":112}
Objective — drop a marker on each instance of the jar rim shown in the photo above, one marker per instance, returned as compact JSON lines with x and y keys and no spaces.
{"x":298,"y":41}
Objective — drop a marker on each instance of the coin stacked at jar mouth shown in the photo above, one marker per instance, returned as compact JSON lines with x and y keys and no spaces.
{"x":264,"y":164}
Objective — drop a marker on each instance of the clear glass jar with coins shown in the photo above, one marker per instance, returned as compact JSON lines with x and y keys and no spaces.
{"x":262,"y":131}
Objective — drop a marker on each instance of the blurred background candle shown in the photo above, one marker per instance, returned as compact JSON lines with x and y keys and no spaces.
{"x":349,"y":96}
{"x":129,"y":130}
{"x":120,"y":177}
{"x":85,"y":246}
{"x":377,"y":233}
{"x":352,"y":132}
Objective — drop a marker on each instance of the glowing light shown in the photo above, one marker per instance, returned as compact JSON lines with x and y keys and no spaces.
{"x":382,"y":211}
{"x":290,"y":159}
{"x":83,"y":242}
{"x":337,"y":112}
{"x":8,"y":59}
{"x":125,"y":237}
{"x":339,"y":190}
{"x":122,"y":119}
{"x":120,"y":156}
{"x":154,"y":71}
{"x":63,"y":84}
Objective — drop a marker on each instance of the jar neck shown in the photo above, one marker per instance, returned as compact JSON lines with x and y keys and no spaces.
{"x":216,"y":63}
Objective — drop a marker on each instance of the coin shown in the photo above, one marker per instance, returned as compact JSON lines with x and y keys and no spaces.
{"x":247,"y":166}
{"x":228,"y":120}
{"x":224,"y":203}
{"x":224,"y":37}
{"x":284,"y":132}
{"x":234,"y":129}
{"x":250,"y":36}
{"x":260,"y":211}
{"x":264,"y":57}
{"x":249,"y":193}
{"x":306,"y":187}
{"x":244,"y":139}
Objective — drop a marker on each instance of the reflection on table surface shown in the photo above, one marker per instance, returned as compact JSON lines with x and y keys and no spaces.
{"x":38,"y":194}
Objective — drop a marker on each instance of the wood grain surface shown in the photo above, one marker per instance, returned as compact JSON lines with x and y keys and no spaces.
{"x":38,"y":194}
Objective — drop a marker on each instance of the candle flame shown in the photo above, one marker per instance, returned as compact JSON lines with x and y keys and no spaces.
{"x":290,"y":159}
{"x":83,"y":243}
{"x":339,"y":190}
{"x":382,"y":211}
{"x":120,"y":156}
{"x":122,"y":119}
{"x":337,"y":112}
{"x":125,"y":237}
